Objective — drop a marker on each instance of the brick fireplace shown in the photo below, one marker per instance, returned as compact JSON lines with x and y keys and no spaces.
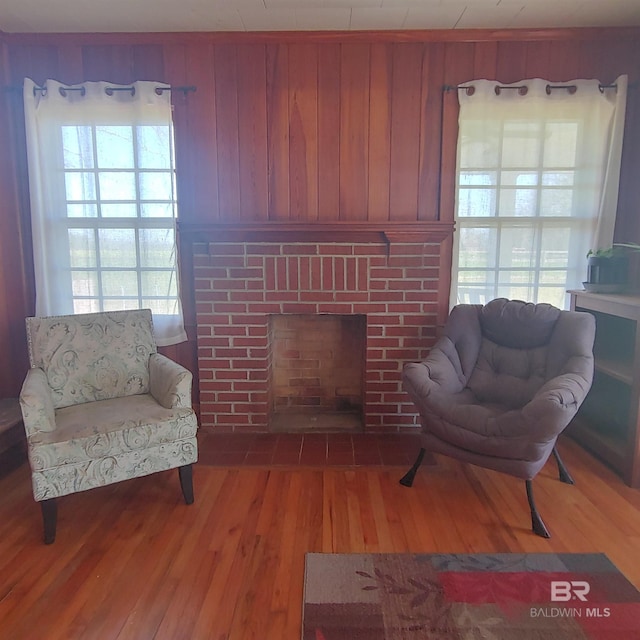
{"x":243,"y":279}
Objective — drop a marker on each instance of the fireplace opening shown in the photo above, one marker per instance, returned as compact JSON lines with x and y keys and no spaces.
{"x":316,"y":372}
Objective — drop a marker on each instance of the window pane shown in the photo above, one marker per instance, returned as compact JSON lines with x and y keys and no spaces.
{"x":77,"y":147}
{"x":158,"y":283}
{"x":84,"y":305}
{"x":518,"y":202}
{"x":476,"y":202}
{"x":155,"y":186}
{"x":517,"y":248}
{"x":556,"y":202}
{"x":521,"y":146}
{"x":477,"y":248}
{"x":119,"y":185}
{"x":84,"y":283}
{"x":82,"y":211}
{"x":117,"y":248}
{"x":120,"y":283}
{"x":80,"y":185}
{"x":157,"y":210}
{"x":118,"y":304}
{"x":154,"y":147}
{"x":156,"y":247}
{"x":114,"y":146}
{"x":82,"y":248}
{"x":561,"y":144}
{"x":119,"y":210}
{"x":554,"y":248}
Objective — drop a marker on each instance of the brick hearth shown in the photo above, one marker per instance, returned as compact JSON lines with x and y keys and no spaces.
{"x":392,"y":279}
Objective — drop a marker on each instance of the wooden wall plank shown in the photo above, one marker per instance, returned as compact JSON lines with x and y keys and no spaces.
{"x":431,"y":132}
{"x":252,"y":131}
{"x":380,"y":131}
{"x":147,"y":62}
{"x":329,"y":108}
{"x":227,"y":126}
{"x":303,"y":131}
{"x":354,"y":131}
{"x":538,"y":56}
{"x":485,"y":60}
{"x":512,"y":62}
{"x":405,"y":130}
{"x":278,"y":130}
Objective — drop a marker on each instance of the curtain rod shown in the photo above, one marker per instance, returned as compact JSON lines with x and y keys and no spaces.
{"x":522,"y":89}
{"x":108,"y":90}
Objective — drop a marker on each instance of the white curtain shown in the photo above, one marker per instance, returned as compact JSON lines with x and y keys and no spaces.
{"x":102,"y":189}
{"x":537,"y":186}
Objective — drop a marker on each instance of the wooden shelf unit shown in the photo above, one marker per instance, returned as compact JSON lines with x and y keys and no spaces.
{"x":608,"y":423}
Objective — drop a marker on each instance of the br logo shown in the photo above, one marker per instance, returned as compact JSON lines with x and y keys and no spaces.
{"x":562,"y":591}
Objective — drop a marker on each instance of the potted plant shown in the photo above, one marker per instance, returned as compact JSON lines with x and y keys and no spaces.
{"x":608,"y":269}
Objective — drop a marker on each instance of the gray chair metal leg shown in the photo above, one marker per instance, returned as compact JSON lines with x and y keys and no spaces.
{"x":564,"y":474}
{"x":49,"y":510}
{"x":537,"y":525}
{"x":407,"y":478}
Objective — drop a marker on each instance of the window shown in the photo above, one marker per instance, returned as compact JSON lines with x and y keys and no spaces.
{"x":104,"y":218}
{"x":531,"y":173}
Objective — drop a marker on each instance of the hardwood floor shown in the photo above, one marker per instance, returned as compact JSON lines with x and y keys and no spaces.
{"x":132,"y":561}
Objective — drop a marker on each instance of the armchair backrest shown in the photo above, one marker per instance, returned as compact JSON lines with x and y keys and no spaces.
{"x":93,"y":356}
{"x":516,"y":349}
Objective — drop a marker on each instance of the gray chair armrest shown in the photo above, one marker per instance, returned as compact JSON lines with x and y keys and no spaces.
{"x":556,"y":402}
{"x":36,"y":403}
{"x":170,"y":382}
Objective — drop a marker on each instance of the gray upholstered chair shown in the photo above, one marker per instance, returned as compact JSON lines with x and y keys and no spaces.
{"x":100,"y":405}
{"x":500,"y":385}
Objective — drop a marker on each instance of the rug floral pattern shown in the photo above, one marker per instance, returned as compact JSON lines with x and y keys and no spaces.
{"x":467,"y":597}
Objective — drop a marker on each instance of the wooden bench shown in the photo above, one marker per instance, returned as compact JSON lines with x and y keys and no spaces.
{"x":13,"y":441}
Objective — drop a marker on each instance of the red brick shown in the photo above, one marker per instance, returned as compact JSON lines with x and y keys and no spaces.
{"x":304,"y":272}
{"x":292,"y":273}
{"x":263,"y":249}
{"x":231,"y":331}
{"x":249,"y":318}
{"x":224,"y":262}
{"x":212,"y":318}
{"x":316,"y":273}
{"x":213,"y":296}
{"x":327,"y":274}
{"x":281,"y":296}
{"x":351,"y":296}
{"x":403,"y":308}
{"x":335,"y":249}
{"x":386,"y":273}
{"x":215,"y":385}
{"x":232,"y":375}
{"x":249,"y":342}
{"x":230,"y":307}
{"x":300,"y":249}
{"x":316,"y":296}
{"x":345,"y":309}
{"x":230,"y":284}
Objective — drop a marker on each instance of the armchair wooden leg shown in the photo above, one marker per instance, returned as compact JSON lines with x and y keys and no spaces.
{"x":408,"y":478}
{"x":49,"y":510}
{"x":537,"y":525}
{"x":186,"y":482}
{"x":564,"y":474}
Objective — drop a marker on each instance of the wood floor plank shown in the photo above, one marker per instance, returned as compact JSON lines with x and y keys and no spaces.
{"x":133,"y":561}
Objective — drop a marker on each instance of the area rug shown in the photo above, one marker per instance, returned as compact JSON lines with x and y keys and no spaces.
{"x":467,"y":597}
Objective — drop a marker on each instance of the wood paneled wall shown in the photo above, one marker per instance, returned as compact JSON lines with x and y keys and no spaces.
{"x":299,"y":127}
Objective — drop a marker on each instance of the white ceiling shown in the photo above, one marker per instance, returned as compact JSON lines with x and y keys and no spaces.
{"x":318,"y":15}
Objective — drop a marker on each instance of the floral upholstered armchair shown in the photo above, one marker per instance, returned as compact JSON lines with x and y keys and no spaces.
{"x":100,"y":405}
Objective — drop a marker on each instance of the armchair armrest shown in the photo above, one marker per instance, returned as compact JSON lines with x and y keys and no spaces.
{"x":170,"y":382}
{"x":36,"y":403}
{"x":556,"y":402}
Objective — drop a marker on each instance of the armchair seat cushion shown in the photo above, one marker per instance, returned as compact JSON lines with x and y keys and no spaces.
{"x":109,"y":428}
